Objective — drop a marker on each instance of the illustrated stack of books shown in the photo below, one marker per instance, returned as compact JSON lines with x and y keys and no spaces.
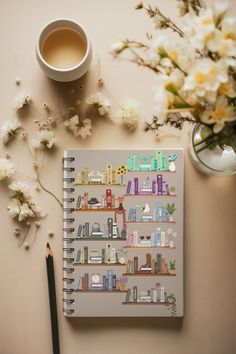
{"x":157,"y":186}
{"x":152,"y":266}
{"x":153,"y":295}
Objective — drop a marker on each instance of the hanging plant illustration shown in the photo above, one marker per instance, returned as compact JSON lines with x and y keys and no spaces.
{"x":171,"y":304}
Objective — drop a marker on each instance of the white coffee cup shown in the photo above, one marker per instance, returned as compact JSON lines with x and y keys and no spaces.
{"x":61,"y":28}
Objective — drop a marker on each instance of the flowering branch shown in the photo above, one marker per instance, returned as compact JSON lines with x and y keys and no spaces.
{"x":159,"y":18}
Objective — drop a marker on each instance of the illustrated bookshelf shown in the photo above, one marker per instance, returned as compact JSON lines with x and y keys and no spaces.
{"x":123,"y":233}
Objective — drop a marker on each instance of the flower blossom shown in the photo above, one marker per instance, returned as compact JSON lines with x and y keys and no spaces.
{"x":79,"y":128}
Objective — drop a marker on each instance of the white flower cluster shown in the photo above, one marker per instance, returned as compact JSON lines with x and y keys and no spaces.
{"x":203,"y":84}
{"x":79,"y":128}
{"x":7,"y":168}
{"x":22,"y":206}
{"x":129,"y":114}
{"x":9,"y":130}
{"x":24,"y":98}
{"x":45,"y":139}
{"x":100,"y":102}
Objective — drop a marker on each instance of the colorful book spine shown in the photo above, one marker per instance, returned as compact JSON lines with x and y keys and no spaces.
{"x":135,"y":264}
{"x":136,"y":185}
{"x":86,"y":229}
{"x":128,"y":189}
{"x":110,"y":227}
{"x":114,"y":281}
{"x":85,"y":254}
{"x":159,"y":184}
{"x":103,"y":255}
{"x":127,"y":299}
{"x":128,"y":266}
{"x":153,"y":187}
{"x":77,"y":260}
{"x":163,"y":265}
{"x":104,"y":282}
{"x":86,"y":278}
{"x":78,"y":203}
{"x":79,"y":232}
{"x":159,"y":262}
{"x":109,"y":198}
{"x":135,"y":293}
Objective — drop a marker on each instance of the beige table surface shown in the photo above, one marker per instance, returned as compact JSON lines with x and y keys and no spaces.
{"x":210,"y":221}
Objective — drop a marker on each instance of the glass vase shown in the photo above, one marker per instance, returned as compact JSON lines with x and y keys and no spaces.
{"x":216,"y":161}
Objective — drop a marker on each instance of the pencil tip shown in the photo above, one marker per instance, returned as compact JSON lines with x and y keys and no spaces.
{"x":48,"y":245}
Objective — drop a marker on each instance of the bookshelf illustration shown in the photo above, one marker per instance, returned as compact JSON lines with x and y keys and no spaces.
{"x":125,"y":238}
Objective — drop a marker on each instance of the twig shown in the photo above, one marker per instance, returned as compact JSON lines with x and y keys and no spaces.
{"x":48,"y":191}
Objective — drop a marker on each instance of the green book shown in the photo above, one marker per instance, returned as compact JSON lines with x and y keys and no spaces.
{"x":159,"y":262}
{"x":85,"y":254}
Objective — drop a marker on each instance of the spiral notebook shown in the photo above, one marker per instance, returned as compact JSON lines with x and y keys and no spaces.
{"x":123,"y":233}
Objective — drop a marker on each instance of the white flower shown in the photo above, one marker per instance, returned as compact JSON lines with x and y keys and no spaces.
{"x":78,"y":128}
{"x":22,"y":99}
{"x":7,"y":168}
{"x":220,"y":8}
{"x":100,"y":102}
{"x":228,"y":89}
{"x":9,"y":129}
{"x":205,"y":77}
{"x":35,"y":208}
{"x":117,"y":48}
{"x":129,"y":114}
{"x":22,"y":210}
{"x":165,"y":90}
{"x":169,"y":54}
{"x":200,"y":29}
{"x":224,"y":40}
{"x":20,"y":189}
{"x":45,"y":139}
{"x":218,"y":114}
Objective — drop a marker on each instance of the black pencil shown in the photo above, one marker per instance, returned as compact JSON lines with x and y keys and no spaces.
{"x":52,"y":300}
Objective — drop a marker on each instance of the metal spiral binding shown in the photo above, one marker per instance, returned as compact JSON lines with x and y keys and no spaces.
{"x":68,"y":248}
{"x":68,"y":291}
{"x":69,"y":169}
{"x":68,"y":179}
{"x":68,"y":200}
{"x":68,"y":189}
{"x":68,"y":260}
{"x":68,"y":219}
{"x":68,"y":270}
{"x":68,"y":229}
{"x":68,"y":311}
{"x":68,"y":239}
{"x":69,"y":280}
{"x":70,"y":159}
{"x":69,"y":301}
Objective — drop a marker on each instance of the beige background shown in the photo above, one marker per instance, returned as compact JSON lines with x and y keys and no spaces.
{"x":210,"y":244}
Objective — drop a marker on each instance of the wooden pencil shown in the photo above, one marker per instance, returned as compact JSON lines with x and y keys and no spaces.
{"x":52,"y":300}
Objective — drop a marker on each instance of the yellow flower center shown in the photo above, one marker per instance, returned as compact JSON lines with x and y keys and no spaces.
{"x":219,"y":114}
{"x":224,"y":89}
{"x":173,"y":55}
{"x":206,"y":21}
{"x":230,"y":35}
{"x":213,"y":72}
{"x":200,"y":77}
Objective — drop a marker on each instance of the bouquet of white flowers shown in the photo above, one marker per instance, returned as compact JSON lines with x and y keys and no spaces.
{"x":196,"y":73}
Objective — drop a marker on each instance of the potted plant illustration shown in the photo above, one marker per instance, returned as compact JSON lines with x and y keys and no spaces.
{"x":171,"y":209}
{"x":121,"y":171}
{"x":172,"y":190}
{"x":172,"y":269}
